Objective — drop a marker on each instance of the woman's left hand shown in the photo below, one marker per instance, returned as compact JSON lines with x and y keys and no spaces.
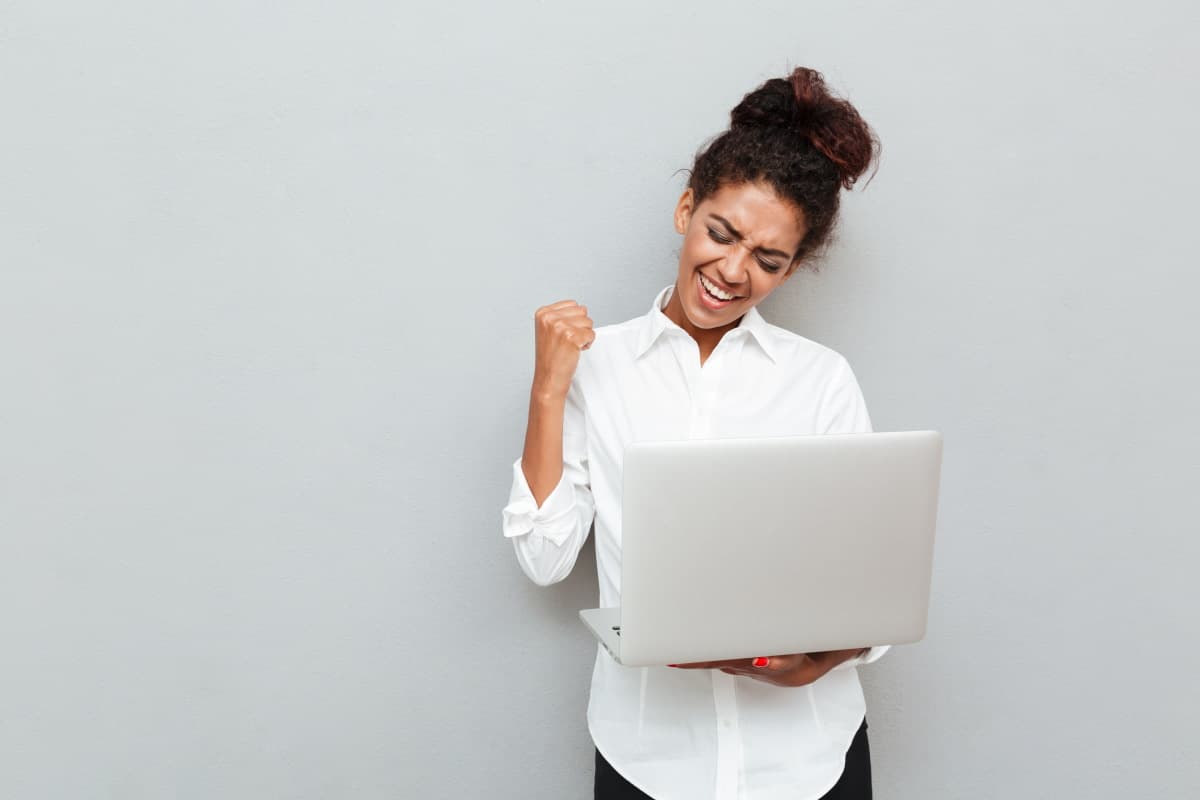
{"x":799,"y":669}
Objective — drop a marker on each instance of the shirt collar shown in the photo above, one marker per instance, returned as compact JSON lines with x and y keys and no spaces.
{"x":656,"y":322}
{"x":759,"y":330}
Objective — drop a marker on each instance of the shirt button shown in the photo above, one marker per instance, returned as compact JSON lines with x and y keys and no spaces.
{"x":726,"y":723}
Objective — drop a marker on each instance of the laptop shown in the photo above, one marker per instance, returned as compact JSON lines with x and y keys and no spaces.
{"x":736,"y":548}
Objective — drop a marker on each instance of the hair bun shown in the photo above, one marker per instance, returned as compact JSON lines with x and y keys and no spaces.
{"x":774,"y":105}
{"x":803,"y":105}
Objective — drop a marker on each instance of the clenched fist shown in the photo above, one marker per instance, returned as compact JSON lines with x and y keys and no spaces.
{"x":562,"y":331}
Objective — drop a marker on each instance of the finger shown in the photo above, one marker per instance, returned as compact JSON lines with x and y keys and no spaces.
{"x":737,"y":663}
{"x":778,"y":663}
{"x":561,"y":304}
{"x":781,"y":663}
{"x":791,"y":661}
{"x":696,"y":665}
{"x":566,"y":318}
{"x":578,"y":334}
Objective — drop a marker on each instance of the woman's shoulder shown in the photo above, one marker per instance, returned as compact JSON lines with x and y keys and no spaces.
{"x":618,"y":336}
{"x":616,"y":330}
{"x":800,"y":352}
{"x":613,"y":350}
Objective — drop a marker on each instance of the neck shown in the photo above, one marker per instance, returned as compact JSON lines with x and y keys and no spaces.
{"x":706,"y":338}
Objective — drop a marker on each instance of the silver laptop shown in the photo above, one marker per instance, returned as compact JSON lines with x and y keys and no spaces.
{"x":735,"y":548}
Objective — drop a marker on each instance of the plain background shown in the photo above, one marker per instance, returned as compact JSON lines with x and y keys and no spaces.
{"x":268,"y":277}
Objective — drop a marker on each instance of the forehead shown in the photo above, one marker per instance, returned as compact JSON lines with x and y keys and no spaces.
{"x":758,"y":213}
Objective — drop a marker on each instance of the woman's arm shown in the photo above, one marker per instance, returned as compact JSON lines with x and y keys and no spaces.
{"x":563,"y":331}
{"x":799,"y":669}
{"x":550,"y":506}
{"x":542,"y":459}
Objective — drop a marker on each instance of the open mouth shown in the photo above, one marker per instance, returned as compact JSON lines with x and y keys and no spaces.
{"x":712,"y":295}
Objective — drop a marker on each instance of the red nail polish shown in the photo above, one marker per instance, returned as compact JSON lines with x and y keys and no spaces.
{"x":672,"y":665}
{"x":761,"y":661}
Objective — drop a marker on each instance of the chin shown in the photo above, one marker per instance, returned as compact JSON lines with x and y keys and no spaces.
{"x":708,"y":321}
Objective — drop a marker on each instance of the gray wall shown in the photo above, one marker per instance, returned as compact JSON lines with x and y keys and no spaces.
{"x":268,"y":276}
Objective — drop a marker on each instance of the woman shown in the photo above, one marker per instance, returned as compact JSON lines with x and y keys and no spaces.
{"x":761,"y":201}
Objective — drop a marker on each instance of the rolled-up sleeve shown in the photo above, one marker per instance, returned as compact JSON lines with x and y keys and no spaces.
{"x":872,"y":655}
{"x":547,"y":539}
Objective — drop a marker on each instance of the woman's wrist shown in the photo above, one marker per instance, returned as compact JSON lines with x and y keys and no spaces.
{"x":546,"y":395}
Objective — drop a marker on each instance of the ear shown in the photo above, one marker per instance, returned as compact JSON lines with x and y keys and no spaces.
{"x":683,"y":210}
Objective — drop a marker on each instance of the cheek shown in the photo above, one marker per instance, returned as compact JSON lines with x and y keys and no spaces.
{"x":699,"y":250}
{"x":762,"y":284}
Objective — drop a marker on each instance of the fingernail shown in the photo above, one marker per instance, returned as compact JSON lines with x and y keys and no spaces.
{"x":672,"y":665}
{"x":761,"y":661}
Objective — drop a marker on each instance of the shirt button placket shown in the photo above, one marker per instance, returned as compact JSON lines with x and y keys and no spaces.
{"x":704,"y":398}
{"x":729,"y":740}
{"x":698,"y":423}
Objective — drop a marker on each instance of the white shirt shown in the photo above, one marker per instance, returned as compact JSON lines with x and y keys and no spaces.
{"x":692,"y":733}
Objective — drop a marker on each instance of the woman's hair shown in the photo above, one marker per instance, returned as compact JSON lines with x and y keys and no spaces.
{"x":804,"y":142}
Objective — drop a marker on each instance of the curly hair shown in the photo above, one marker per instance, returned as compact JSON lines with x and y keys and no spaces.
{"x":801,"y":140}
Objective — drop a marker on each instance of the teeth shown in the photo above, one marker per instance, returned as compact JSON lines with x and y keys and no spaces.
{"x":713,"y":290}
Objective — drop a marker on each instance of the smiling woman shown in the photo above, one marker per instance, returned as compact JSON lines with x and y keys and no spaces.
{"x":761,"y":202}
{"x":776,"y":172}
{"x":739,"y":251}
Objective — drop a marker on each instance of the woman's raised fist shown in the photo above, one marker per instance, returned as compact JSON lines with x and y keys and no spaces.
{"x":562,"y":331}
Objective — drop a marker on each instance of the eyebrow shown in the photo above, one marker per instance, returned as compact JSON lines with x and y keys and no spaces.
{"x":738,"y":235}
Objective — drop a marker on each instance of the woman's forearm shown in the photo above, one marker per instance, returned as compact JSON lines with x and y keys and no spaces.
{"x":541,"y":461}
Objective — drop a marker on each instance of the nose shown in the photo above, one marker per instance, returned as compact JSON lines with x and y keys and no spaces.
{"x":735,"y":267}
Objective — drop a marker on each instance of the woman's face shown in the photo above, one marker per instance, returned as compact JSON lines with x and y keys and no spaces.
{"x":737,"y":248}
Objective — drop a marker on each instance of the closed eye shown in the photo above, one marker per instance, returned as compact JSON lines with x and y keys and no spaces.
{"x":717,"y":236}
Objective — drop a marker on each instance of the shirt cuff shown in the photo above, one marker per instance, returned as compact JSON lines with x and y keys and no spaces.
{"x":872,"y":655}
{"x":554,"y":519}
